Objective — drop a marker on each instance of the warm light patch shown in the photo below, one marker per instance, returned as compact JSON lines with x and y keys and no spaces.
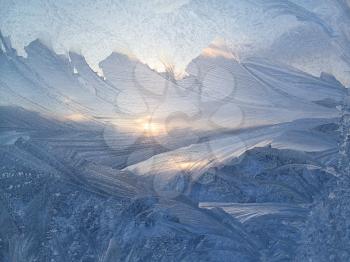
{"x":219,"y":48}
{"x":75,"y":117}
{"x":186,"y":165}
{"x":182,"y":163}
{"x":215,"y":52}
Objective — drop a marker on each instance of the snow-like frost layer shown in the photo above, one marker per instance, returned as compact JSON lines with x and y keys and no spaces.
{"x":204,"y":194}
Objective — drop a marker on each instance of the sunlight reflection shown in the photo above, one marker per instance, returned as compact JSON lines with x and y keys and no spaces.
{"x":77,"y":117}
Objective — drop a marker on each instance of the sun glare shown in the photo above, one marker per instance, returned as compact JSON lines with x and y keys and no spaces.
{"x":149,"y":127}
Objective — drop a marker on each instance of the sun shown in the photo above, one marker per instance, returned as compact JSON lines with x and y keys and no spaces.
{"x":149,"y":127}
